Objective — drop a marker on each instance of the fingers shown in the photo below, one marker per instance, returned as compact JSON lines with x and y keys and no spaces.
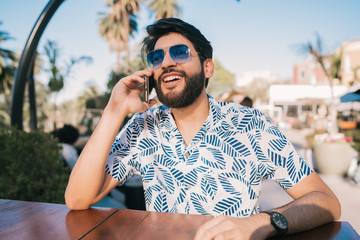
{"x":219,"y":228}
{"x":132,"y":81}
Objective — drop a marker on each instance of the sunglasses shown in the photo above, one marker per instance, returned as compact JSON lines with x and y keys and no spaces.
{"x":178,"y":53}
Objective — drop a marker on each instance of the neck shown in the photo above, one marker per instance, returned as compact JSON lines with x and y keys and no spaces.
{"x":197,"y":111}
{"x":190,"y":119}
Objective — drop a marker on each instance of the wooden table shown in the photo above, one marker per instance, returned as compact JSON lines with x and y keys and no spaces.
{"x":31,"y":220}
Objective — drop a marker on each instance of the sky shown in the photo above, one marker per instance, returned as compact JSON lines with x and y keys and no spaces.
{"x":250,"y":35}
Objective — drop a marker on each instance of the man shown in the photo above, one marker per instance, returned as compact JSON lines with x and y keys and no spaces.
{"x":196,"y":155}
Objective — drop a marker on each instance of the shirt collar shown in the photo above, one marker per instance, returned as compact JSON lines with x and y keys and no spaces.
{"x":167,"y":122}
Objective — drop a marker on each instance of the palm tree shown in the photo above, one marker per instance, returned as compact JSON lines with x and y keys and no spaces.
{"x":165,"y":8}
{"x":57,"y":77}
{"x":117,"y":26}
{"x":8,"y":62}
{"x":331,"y":65}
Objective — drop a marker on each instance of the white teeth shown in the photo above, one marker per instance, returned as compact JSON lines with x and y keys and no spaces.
{"x":171,"y":78}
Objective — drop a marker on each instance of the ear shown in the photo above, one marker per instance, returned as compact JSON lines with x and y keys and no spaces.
{"x":208,"y":68}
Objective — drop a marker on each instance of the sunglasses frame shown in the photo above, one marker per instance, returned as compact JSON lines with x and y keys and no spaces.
{"x":170,"y":53}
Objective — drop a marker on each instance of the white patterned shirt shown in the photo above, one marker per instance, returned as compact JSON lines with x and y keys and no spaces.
{"x":219,"y":173}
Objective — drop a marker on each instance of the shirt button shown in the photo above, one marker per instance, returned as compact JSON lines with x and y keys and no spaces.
{"x":188,"y":187}
{"x":187,"y":154}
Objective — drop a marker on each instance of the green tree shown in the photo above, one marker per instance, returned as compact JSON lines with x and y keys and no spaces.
{"x":8,"y":63}
{"x":30,"y":166}
{"x":222,"y":80}
{"x":57,"y":75}
{"x":257,"y":89}
{"x":117,"y":27}
{"x":330,"y":64}
{"x":165,"y":8}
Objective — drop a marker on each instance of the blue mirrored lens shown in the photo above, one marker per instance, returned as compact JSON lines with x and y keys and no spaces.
{"x":155,"y":58}
{"x":179,"y":53}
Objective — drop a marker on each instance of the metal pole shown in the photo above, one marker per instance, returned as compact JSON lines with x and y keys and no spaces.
{"x":32,"y":95}
{"x":23,"y":70}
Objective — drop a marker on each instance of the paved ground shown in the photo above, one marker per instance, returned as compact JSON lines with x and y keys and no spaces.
{"x":348,"y":192}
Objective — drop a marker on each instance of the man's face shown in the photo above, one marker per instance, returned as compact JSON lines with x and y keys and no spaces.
{"x":178,"y":84}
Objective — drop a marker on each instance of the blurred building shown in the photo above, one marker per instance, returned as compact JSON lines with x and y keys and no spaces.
{"x":296,"y":100}
{"x":309,"y":72}
{"x":350,"y":64}
{"x":249,"y":76}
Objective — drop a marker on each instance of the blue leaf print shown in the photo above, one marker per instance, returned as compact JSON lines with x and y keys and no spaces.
{"x":150,"y":125}
{"x":187,"y":208}
{"x":198,"y":202}
{"x":164,"y":161}
{"x":209,"y":186}
{"x":252,"y":193}
{"x":290,"y":165}
{"x":275,"y":131}
{"x":179,"y":152}
{"x":225,"y":134}
{"x":266,"y":169}
{"x":256,"y":148}
{"x":213,"y":140}
{"x":181,"y":197}
{"x":228,"y":206}
{"x":191,"y":178}
{"x":216,"y":113}
{"x":235,"y":119}
{"x":276,"y":158}
{"x":193,"y":157}
{"x":232,"y":147}
{"x":174,"y":208}
{"x":226,"y":184}
{"x":148,"y":146}
{"x":128,"y":135}
{"x":168,"y":151}
{"x":278,"y":144}
{"x":149,"y":173}
{"x":169,"y":182}
{"x":284,"y":183}
{"x":149,"y":193}
{"x":246,"y":123}
{"x":160,"y":204}
{"x":178,"y":175}
{"x":121,"y":151}
{"x":254,"y":175}
{"x":238,"y":164}
{"x":218,"y":163}
{"x":119,"y":169}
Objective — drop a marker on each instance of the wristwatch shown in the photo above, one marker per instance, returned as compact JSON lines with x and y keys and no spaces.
{"x":278,"y":221}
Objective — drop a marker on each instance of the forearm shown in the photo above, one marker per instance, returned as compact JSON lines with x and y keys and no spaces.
{"x":311,"y":210}
{"x":86,"y":181}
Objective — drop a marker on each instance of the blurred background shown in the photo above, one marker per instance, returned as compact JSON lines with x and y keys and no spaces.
{"x":297,"y":61}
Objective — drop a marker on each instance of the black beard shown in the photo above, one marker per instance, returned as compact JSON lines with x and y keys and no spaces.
{"x":194,"y":85}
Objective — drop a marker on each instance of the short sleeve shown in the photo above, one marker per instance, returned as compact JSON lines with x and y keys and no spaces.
{"x":121,"y":157}
{"x":280,"y":161}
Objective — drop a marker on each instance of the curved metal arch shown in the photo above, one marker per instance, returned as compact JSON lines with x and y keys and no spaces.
{"x":25,"y":71}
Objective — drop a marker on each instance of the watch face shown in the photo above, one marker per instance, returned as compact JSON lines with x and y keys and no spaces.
{"x":279,"y":220}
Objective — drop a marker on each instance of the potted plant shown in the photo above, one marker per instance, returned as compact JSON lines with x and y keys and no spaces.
{"x":333,"y":153}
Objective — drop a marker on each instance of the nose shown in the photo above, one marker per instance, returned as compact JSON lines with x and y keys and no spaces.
{"x":168,"y":61}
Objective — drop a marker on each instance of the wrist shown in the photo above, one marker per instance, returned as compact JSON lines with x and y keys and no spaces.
{"x":267,"y":228}
{"x":277,"y":221}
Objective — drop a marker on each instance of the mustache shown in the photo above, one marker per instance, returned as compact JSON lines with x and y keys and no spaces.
{"x":170,"y":70}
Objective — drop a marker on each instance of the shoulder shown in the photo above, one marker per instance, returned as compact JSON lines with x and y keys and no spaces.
{"x":236,"y":110}
{"x":150,"y":116}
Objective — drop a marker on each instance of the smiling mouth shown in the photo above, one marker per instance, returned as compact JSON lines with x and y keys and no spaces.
{"x":172,"y":78}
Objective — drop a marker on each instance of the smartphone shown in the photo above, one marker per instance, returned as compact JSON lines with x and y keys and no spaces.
{"x":149,"y":84}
